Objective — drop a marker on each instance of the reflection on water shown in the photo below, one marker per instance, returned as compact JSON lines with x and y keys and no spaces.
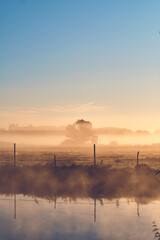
{"x":26,"y":217}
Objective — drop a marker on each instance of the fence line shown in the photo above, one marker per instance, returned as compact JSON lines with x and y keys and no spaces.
{"x":82,"y":156}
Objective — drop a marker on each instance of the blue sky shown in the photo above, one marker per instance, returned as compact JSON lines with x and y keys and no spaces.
{"x":63,"y":53}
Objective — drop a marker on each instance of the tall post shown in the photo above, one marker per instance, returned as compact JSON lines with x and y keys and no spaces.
{"x":137,"y":158}
{"x":14,"y":154}
{"x":94,"y":154}
{"x":54,"y":160}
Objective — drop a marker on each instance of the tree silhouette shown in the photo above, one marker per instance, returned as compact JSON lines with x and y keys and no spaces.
{"x":80,"y":133}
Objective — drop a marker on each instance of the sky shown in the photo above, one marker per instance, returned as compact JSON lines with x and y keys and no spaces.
{"x":94,"y":59}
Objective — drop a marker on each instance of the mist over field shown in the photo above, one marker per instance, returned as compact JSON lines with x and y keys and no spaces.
{"x":108,"y":182}
{"x":77,"y":134}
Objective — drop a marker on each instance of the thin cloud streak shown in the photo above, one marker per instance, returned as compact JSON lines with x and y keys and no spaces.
{"x":88,"y":107}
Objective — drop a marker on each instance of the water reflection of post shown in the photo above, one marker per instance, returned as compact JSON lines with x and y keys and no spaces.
{"x":15,"y":206}
{"x":94,"y":209}
{"x":55,"y":202}
{"x":138,"y":210}
{"x":117,"y":203}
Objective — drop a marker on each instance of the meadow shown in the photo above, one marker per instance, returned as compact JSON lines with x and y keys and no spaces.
{"x":117,"y":156}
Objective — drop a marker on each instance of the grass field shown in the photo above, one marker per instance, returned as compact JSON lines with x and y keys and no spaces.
{"x":66,"y":156}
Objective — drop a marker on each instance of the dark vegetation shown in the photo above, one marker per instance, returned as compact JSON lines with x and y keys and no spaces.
{"x":140,"y":183}
{"x":155,"y":230}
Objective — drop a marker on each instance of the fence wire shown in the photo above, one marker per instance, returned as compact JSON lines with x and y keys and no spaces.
{"x":125,"y":157}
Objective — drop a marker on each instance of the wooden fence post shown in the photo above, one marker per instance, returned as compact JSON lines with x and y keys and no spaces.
{"x":138,"y":158}
{"x":14,"y":154}
{"x":54,"y":160}
{"x":94,"y":154}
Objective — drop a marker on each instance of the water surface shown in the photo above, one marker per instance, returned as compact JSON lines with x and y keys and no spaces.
{"x":27,"y":217}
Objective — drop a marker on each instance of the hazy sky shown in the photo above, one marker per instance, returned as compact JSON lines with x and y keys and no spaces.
{"x":67,"y":59}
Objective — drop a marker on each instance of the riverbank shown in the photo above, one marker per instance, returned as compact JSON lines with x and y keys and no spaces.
{"x":79,"y":181}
